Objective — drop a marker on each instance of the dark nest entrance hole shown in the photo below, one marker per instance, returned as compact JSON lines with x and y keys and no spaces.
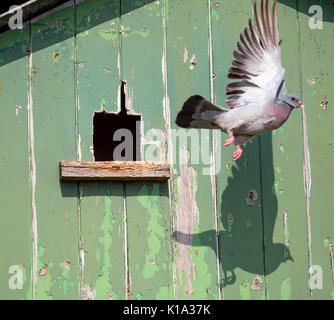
{"x":116,"y":137}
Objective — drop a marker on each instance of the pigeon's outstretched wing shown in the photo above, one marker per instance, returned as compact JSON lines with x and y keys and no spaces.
{"x":257,"y":65}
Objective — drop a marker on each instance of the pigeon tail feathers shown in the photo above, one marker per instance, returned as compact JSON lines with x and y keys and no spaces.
{"x":198,"y":112}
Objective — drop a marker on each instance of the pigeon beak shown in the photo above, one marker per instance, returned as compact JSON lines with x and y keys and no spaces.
{"x":300,"y":105}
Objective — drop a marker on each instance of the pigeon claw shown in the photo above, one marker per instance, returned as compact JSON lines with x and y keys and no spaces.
{"x":229,"y":141}
{"x":238,"y":153}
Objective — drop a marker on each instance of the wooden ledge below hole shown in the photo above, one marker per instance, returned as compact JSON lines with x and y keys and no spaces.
{"x":114,"y":171}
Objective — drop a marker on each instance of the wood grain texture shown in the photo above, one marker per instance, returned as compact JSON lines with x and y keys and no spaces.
{"x":102,"y":241}
{"x":147,"y":204}
{"x":196,"y":236}
{"x":101,"y":209}
{"x":149,"y":241}
{"x":284,"y":205}
{"x":15,"y":192}
{"x":317,"y":80}
{"x":53,"y":97}
{"x":113,"y":170}
{"x":195,"y":251}
{"x":97,"y":68}
{"x":241,"y":227}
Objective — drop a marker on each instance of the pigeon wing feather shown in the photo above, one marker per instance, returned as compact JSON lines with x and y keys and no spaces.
{"x":257,"y":65}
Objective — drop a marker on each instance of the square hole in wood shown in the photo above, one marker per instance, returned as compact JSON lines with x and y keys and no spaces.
{"x":116,"y":136}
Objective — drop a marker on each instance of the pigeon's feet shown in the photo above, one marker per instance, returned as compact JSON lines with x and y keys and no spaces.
{"x":229,"y":141}
{"x":238,"y":153}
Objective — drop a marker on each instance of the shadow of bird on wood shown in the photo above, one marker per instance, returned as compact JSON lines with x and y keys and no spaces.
{"x":246,"y":231}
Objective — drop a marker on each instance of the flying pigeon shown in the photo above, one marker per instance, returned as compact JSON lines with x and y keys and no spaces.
{"x":257,"y":102}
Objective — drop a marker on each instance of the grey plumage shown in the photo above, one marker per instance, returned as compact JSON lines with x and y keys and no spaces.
{"x":197,"y":112}
{"x":256,"y":100}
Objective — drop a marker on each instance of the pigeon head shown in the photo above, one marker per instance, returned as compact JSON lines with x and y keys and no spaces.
{"x":292,"y":100}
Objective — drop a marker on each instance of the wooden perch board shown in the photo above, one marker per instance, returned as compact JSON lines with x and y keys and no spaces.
{"x":114,"y":170}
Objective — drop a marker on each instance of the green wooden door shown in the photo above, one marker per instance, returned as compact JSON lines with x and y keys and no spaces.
{"x":203,"y":234}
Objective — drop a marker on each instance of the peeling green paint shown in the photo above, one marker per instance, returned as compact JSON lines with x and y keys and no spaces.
{"x":109,"y":34}
{"x":61,"y":276}
{"x":276,"y":186}
{"x":63,"y":279}
{"x":139,"y":296}
{"x":245,"y":290}
{"x":215,"y":14}
{"x":144,"y":32}
{"x":83,"y":34}
{"x":102,"y":283}
{"x":203,"y":275}
{"x":286,"y":289}
{"x":326,"y":242}
{"x":44,"y":283}
{"x":103,"y":102}
{"x":155,"y":231}
{"x":332,"y":294}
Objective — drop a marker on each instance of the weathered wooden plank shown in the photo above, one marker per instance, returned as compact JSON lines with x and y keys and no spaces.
{"x":147,"y":205}
{"x":193,"y":192}
{"x":241,"y":228}
{"x":149,"y":241}
{"x":98,"y":67}
{"x":53,"y":105}
{"x":317,"y":80}
{"x":102,"y":245}
{"x":15,"y":216}
{"x":114,"y":170}
{"x":101,"y":205}
{"x":285,"y":224}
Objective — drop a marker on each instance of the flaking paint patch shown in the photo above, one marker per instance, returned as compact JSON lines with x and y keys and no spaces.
{"x":155,"y":231}
{"x":45,"y":279}
{"x":257,"y":283}
{"x":88,"y":294}
{"x":33,"y":174}
{"x":166,"y":113}
{"x":326,"y":242}
{"x":129,"y":98}
{"x":155,"y":236}
{"x":214,"y":167}
{"x":185,"y":55}
{"x":18,"y":110}
{"x":331,"y":252}
{"x":245,"y":291}
{"x":286,"y":230}
{"x":187,"y":218}
{"x":307,"y":186}
{"x":110,"y":33}
{"x":286,"y":289}
{"x":127,"y":31}
{"x":166,"y":106}
{"x":62,"y":280}
{"x":103,"y":251}
{"x":79,"y":153}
